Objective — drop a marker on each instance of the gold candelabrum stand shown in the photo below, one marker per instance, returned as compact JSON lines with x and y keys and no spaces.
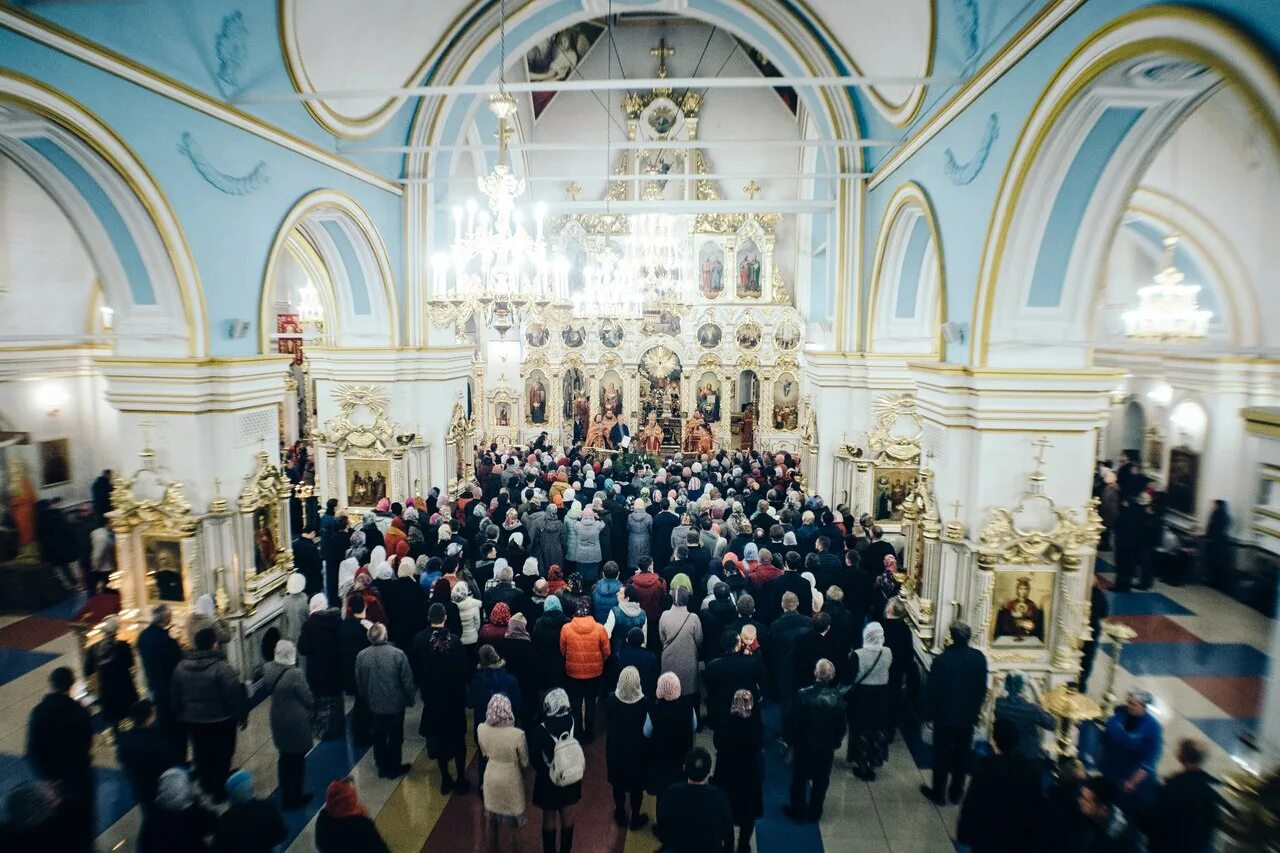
{"x":1119,"y":634}
{"x":1071,"y":708}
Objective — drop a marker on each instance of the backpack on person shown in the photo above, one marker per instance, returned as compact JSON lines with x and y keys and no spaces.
{"x":567,"y":764}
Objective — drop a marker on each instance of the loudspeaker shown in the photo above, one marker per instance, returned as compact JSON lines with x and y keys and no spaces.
{"x":237,"y":328}
{"x":954,"y":332}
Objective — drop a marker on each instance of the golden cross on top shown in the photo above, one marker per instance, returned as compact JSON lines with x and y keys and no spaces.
{"x":572,"y":190}
{"x":752,"y":189}
{"x":661,"y":52}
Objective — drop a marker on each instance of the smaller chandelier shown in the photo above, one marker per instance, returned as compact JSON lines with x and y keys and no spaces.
{"x":1167,"y":309}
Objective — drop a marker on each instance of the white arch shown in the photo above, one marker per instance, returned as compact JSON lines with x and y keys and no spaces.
{"x":917,"y":335}
{"x":177,"y":323}
{"x":306,"y":221}
{"x":1006,"y":331}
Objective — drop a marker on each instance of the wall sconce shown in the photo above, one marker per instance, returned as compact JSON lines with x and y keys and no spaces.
{"x":108,"y":315}
{"x":52,"y":396}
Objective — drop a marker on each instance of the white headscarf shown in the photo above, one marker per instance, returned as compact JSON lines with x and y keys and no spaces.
{"x":378,"y":555}
{"x":286,"y":653}
{"x":347,"y":571}
{"x":205,"y":606}
{"x":295,"y":584}
{"x":555,"y":703}
{"x":383,"y":572}
{"x":530,"y":567}
{"x":318,"y":602}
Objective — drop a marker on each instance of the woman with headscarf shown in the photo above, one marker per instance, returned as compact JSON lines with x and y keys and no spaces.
{"x":869,"y":704}
{"x":344,"y":825}
{"x":291,"y":707}
{"x":680,"y":632}
{"x":555,"y":580}
{"x":547,"y":536}
{"x":495,"y":629}
{"x":571,"y":519}
{"x":504,"y":748}
{"x":293,"y":610}
{"x":626,"y":750}
{"x":886,"y":585}
{"x":528,"y":575}
{"x":373,"y":537}
{"x":516,"y":648}
{"x":468,"y":618}
{"x":670,"y":727}
{"x":205,"y":615}
{"x":403,"y":603}
{"x":249,"y":825}
{"x":429,"y":571}
{"x":176,"y":820}
{"x":321,"y":644}
{"x":511,"y":524}
{"x":556,"y":801}
{"x":417,"y":543}
{"x":739,"y":742}
{"x":440,"y":671}
{"x":639,"y":533}
{"x":394,"y":535}
{"x":442,"y":593}
{"x":515,"y":552}
{"x":112,"y":659}
{"x":546,"y":643}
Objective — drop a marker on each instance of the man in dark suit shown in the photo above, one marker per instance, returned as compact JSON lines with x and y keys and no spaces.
{"x":953,"y":697}
{"x":335,"y":551}
{"x":1186,"y":811}
{"x":619,"y":431}
{"x":161,"y":655}
{"x":663,"y":524}
{"x":306,"y":560}
{"x":874,"y":554}
{"x":1002,"y":805}
{"x":830,"y":566}
{"x":770,"y":603}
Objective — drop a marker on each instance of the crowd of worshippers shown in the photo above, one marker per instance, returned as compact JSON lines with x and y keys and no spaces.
{"x":560,"y":601}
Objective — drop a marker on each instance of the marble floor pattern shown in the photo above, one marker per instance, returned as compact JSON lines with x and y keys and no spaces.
{"x":1202,"y":654}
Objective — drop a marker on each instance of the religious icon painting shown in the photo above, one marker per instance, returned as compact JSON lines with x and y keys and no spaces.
{"x":1023,"y":601}
{"x":367,"y":481}
{"x":709,"y":397}
{"x":892,"y":485}
{"x":55,"y":462}
{"x":748,"y":336}
{"x":787,"y":336}
{"x":711,"y":270}
{"x":709,"y":335}
{"x":264,"y":539}
{"x":162,"y":556}
{"x":574,"y":336}
{"x":554,"y":58}
{"x":746,"y":271}
{"x":537,"y":335}
{"x":1184,"y":480}
{"x":786,"y":402}
{"x":536,"y":392}
{"x":611,"y":334}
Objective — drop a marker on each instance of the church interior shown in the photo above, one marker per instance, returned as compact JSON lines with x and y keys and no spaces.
{"x":960,"y":303}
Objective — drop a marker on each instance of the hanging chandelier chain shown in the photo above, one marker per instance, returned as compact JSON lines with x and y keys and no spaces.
{"x":502,"y":46}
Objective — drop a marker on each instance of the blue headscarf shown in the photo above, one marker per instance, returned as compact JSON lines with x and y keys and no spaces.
{"x":552,"y":605}
{"x":240,"y":787}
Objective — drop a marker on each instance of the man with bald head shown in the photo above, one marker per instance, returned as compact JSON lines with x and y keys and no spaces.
{"x":815,"y":728}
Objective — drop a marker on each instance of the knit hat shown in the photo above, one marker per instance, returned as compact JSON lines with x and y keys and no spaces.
{"x":489,"y":658}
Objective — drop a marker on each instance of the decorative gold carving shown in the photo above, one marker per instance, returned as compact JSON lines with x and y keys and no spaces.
{"x":259,"y":502}
{"x":778,"y":290}
{"x":356,"y":439}
{"x":266,"y":486}
{"x":460,"y":432}
{"x":809,"y":428}
{"x":170,"y":515}
{"x":1072,"y":530}
{"x":892,"y":450}
{"x":730,"y":223}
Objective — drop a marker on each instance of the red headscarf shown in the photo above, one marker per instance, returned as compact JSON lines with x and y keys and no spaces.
{"x":555,"y":580}
{"x":397,"y":523}
{"x":500,"y":614}
{"x":341,"y":800}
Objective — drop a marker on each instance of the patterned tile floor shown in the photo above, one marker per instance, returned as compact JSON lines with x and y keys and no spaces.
{"x":1200,"y":653}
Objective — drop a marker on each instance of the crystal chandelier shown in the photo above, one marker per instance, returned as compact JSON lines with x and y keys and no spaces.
{"x":496,"y":271}
{"x":1167,"y":309}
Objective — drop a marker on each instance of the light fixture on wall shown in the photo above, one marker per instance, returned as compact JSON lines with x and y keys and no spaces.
{"x":1168,"y":309}
{"x":108,"y":315}
{"x":52,"y":396}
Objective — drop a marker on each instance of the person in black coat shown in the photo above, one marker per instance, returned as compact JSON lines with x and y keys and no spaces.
{"x":739,"y":742}
{"x":1099,"y":610}
{"x":403,"y":604}
{"x":632,"y":652}
{"x":954,"y":693}
{"x":112,"y":660}
{"x":816,"y":642}
{"x":769,"y":603}
{"x":546,"y":643}
{"x":1186,"y":813}
{"x":59,"y":739}
{"x":334,"y":552}
{"x":440,"y":670}
{"x":873,"y":555}
{"x":693,"y":816}
{"x":830,"y":569}
{"x":145,"y":752}
{"x":556,"y":801}
{"x":1002,"y":807}
{"x":320,"y":642}
{"x":741,"y":667}
{"x":815,"y":726}
{"x":249,"y":825}
{"x":306,"y":560}
{"x":782,"y":642}
{"x":343,"y":825}
{"x":353,"y":638}
{"x":715,"y":617}
{"x":625,"y":752}
{"x":663,"y":524}
{"x":161,"y":654}
{"x":903,"y":674}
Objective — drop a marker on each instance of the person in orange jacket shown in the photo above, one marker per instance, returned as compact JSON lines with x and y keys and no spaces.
{"x":585,"y":647}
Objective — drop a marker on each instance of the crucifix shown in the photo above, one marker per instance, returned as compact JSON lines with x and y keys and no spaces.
{"x":955,"y":506}
{"x":572,"y":190}
{"x":1041,"y":445}
{"x":752,"y":189}
{"x":661,"y":52}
